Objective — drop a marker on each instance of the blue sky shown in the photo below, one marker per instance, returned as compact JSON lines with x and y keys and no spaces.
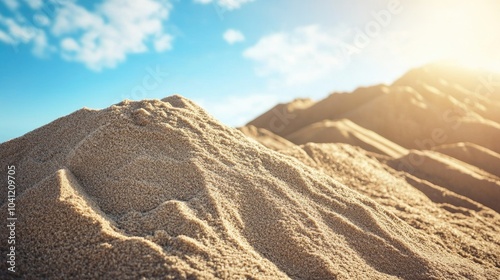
{"x":236,"y":58}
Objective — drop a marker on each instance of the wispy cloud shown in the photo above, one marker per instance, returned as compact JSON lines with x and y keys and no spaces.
{"x":232,"y":36}
{"x":16,"y":32}
{"x":226,"y":4}
{"x":11,"y":4}
{"x":303,"y":55}
{"x":99,"y":38}
{"x":34,"y":4}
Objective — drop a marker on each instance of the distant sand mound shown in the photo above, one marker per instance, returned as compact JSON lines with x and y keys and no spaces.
{"x":159,"y":189}
{"x":345,"y":131}
{"x":301,"y":114}
{"x":426,"y":108}
{"x":279,"y":118}
{"x":473,"y":155}
{"x":424,"y":119}
{"x":266,"y":138}
{"x":455,"y":175}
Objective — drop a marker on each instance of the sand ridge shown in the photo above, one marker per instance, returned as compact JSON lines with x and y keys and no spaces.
{"x":474,"y":155}
{"x":345,"y":131}
{"x":452,"y":174}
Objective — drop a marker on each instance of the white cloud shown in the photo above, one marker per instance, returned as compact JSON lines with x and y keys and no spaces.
{"x":17,"y":33}
{"x":71,"y":18}
{"x":163,"y":43}
{"x":115,"y":29}
{"x":225,"y":4}
{"x":11,"y":4}
{"x":301,"y":56}
{"x":34,"y":4}
{"x":99,"y":38}
{"x":232,"y":36}
{"x":40,"y":19}
{"x":69,"y":44}
{"x":4,"y":37}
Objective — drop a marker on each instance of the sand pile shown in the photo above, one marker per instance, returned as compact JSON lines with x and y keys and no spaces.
{"x":454,"y":175}
{"x":266,"y":138}
{"x":428,"y":107}
{"x":159,"y":189}
{"x":453,"y":111}
{"x":474,"y":155}
{"x":345,"y":131}
{"x":454,"y":222}
{"x":284,"y":119}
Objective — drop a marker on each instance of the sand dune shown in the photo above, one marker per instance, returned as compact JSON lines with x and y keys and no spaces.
{"x":266,"y":137}
{"x":300,"y":115}
{"x":345,"y":131}
{"x":427,"y":107}
{"x":478,"y":89}
{"x":451,"y":192}
{"x":447,"y":217}
{"x":473,"y":155}
{"x":452,"y":174}
{"x":159,"y":189}
{"x":282,"y":117}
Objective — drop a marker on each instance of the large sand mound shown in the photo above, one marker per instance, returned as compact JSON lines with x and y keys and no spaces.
{"x":159,"y":189}
{"x":430,"y":108}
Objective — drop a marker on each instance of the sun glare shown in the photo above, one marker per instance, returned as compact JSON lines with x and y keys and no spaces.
{"x":462,"y":31}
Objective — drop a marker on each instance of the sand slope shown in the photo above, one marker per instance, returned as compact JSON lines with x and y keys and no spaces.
{"x":285,"y":119}
{"x":345,"y":131}
{"x":451,"y":219}
{"x":266,"y":137}
{"x":473,"y":155}
{"x":282,"y":117}
{"x":452,"y":174}
{"x":159,"y":189}
{"x":455,"y":222}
